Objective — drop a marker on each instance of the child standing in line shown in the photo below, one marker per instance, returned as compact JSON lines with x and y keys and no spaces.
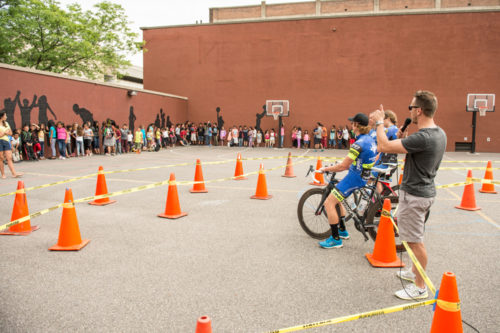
{"x":306,"y":139}
{"x":267,"y":139}
{"x":298,"y":136}
{"x":223,"y":134}
{"x":259,"y":137}
{"x":272,"y":138}
{"x":79,"y":140}
{"x":138,"y":139}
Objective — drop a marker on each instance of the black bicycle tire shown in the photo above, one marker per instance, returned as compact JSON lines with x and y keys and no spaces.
{"x":371,"y":218}
{"x":304,"y":222}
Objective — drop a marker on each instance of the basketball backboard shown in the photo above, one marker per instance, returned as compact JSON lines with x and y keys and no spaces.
{"x":475,"y":102}
{"x":277,"y":108}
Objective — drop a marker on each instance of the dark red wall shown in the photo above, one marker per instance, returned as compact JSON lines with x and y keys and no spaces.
{"x":329,"y":75}
{"x":103,"y":101}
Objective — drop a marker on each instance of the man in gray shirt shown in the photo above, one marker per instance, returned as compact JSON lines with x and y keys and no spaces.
{"x":424,"y":151}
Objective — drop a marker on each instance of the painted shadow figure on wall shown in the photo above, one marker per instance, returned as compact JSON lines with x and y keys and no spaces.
{"x":220,"y":121}
{"x":259,"y":116}
{"x":25,"y":109}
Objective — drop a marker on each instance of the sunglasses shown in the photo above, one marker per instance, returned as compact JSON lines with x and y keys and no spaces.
{"x":413,"y":107}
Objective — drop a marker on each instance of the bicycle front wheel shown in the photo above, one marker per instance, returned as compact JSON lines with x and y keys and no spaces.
{"x":316,"y":226}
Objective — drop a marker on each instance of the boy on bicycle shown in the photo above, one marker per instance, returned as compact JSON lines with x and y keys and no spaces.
{"x":362,"y":156}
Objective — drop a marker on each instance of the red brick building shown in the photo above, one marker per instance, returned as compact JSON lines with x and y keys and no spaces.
{"x":332,"y":59}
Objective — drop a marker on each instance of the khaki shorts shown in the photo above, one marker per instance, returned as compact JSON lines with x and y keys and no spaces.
{"x":411,"y":216}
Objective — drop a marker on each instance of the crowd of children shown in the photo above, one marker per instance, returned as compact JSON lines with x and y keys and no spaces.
{"x":32,"y":142}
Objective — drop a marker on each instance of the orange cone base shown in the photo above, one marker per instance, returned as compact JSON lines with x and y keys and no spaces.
{"x":261,"y":198}
{"x":240,"y":178}
{"x":198,"y":191}
{"x":75,"y":247}
{"x":17,"y":233}
{"x":468,"y":208}
{"x":492,"y":192}
{"x":172,"y":217}
{"x":287,"y":176}
{"x":317,"y":184}
{"x":377,"y":263}
{"x":95,"y":203}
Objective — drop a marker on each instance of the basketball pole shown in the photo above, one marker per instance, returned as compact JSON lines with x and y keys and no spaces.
{"x":473,"y":143}
{"x":280,"y":123}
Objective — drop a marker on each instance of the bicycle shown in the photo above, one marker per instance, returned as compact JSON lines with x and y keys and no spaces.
{"x":363,"y":205}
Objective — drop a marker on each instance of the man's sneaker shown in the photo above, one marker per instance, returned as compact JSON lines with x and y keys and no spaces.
{"x":406,"y":275}
{"x":331,"y":243}
{"x":411,"y":292}
{"x":343,"y":234}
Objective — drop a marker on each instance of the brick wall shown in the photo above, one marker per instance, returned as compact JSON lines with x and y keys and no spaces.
{"x":406,"y":4}
{"x":291,"y":9}
{"x":57,"y":95}
{"x":332,"y":7}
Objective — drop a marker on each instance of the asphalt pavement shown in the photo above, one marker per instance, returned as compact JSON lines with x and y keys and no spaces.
{"x":246,"y":264}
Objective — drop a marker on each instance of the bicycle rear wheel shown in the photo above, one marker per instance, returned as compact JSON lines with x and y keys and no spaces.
{"x":316,"y":226}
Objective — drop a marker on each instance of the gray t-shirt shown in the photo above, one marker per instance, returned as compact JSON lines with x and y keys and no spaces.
{"x":425,"y":152}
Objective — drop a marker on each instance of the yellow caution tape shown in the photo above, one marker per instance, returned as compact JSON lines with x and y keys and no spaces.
{"x":469,"y":161}
{"x":451,"y":185}
{"x":415,"y":261}
{"x":142,"y":169}
{"x":132,"y":190}
{"x":363,"y":315}
{"x":448,"y":306}
{"x":466,"y":168}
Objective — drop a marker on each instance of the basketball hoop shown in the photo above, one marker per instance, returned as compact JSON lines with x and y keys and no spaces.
{"x":276,"y":115}
{"x":482,"y":110}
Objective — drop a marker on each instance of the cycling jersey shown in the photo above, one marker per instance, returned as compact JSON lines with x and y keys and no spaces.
{"x":363,"y":152}
{"x":391,"y":133}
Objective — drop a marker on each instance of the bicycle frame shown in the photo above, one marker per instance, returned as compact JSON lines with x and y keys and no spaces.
{"x":358,"y":194}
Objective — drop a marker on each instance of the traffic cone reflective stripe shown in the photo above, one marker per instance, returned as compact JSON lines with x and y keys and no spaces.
{"x":447,"y":315}
{"x":20,"y":210}
{"x":203,"y":325}
{"x":468,"y":197}
{"x":198,"y":177}
{"x":318,"y":176}
{"x":289,"y":167}
{"x":69,"y":231}
{"x":238,"y":172}
{"x":261,"y":190}
{"x":488,"y":186}
{"x":101,"y":189}
{"x":172,"y":207}
{"x":384,"y":251}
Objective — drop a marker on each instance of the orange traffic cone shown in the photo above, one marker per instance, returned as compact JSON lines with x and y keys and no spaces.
{"x":318,"y":176}
{"x":289,"y":167}
{"x":20,"y":210}
{"x":447,"y":316}
{"x":384,"y":252}
{"x":100,"y":189}
{"x":261,"y":190}
{"x":402,"y":171}
{"x":172,"y":207}
{"x":204,"y":325}
{"x":468,"y":197}
{"x":198,"y":177}
{"x":69,"y":232}
{"x":488,"y":186}
{"x":238,"y":172}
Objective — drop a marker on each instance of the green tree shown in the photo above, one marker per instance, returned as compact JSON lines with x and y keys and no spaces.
{"x":40,"y":34}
